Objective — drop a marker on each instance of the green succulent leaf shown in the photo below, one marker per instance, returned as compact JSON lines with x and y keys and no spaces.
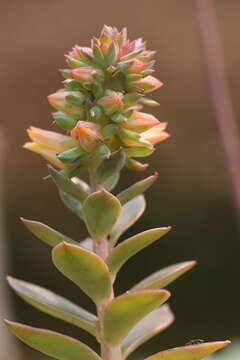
{"x":138,"y":151}
{"x":72,"y":204}
{"x":101,"y":210}
{"x":164,"y":277}
{"x":55,"y":305}
{"x":46,"y":233}
{"x":151,"y":325}
{"x":191,"y":352}
{"x":127,"y":310}
{"x":111,"y":166}
{"x":130,"y":213}
{"x":66,"y":185}
{"x":85,"y":269}
{"x":136,"y":189}
{"x":132,"y":246}
{"x":51,"y":343}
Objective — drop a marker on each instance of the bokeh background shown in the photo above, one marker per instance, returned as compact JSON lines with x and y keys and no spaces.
{"x":193,"y":193}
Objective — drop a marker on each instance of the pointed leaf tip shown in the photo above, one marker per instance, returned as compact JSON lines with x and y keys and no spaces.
{"x":53,"y":344}
{"x":86,"y":269}
{"x":132,"y":246}
{"x":137,"y":188}
{"x":165,"y":276}
{"x":191,"y":352}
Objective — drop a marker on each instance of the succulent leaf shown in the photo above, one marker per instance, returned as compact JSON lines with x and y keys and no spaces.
{"x":132,"y":246}
{"x":66,"y":185}
{"x":130,"y":213}
{"x":151,"y":325}
{"x":55,"y":305}
{"x":136,"y":189}
{"x":46,"y":233}
{"x":164,"y":277}
{"x":85,"y":269}
{"x":56,"y":345}
{"x":101,"y":210}
{"x":72,"y":204}
{"x":127,"y":310}
{"x":190,"y":352}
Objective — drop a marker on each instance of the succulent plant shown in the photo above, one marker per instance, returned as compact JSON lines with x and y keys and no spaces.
{"x":99,"y":108}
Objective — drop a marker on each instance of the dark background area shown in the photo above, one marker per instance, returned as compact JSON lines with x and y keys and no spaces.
{"x":192,"y":193}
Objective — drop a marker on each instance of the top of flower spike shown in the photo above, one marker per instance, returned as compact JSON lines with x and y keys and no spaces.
{"x":106,"y":85}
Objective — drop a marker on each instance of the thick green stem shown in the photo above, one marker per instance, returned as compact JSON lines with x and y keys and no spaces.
{"x":108,"y":352}
{"x":102,"y":249}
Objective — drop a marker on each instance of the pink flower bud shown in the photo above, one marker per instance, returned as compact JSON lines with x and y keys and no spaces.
{"x":137,"y":66}
{"x":87,"y":134}
{"x":50,"y":139}
{"x":149,"y":83}
{"x":111,"y":102}
{"x":83,"y":74}
{"x":140,"y":121}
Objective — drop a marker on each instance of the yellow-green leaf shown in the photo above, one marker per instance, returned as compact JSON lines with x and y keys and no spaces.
{"x":130,"y":213}
{"x":51,"y":343}
{"x":136,"y":189}
{"x":151,"y":325}
{"x":55,"y":305}
{"x":46,"y":233}
{"x":85,"y":269}
{"x":133,"y":245}
{"x":163,"y":277}
{"x":101,"y":210}
{"x":125,"y":311}
{"x":66,"y":185}
{"x":191,"y":352}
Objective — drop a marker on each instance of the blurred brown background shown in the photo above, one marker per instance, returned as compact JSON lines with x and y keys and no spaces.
{"x":192,"y":193}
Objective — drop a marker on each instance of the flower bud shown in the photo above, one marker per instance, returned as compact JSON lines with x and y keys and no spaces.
{"x":156,"y":134}
{"x":58,"y":101}
{"x":47,"y":153}
{"x":50,"y":139}
{"x":87,"y":134}
{"x":66,"y":122}
{"x":83,"y":75}
{"x":137,"y":66}
{"x":149,"y":83}
{"x":111,"y":102}
{"x":140,"y":121}
{"x":151,"y":136}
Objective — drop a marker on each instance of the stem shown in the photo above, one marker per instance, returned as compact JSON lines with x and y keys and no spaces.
{"x":102,"y":249}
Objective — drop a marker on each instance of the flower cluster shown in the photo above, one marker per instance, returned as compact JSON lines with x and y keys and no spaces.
{"x":100,"y":104}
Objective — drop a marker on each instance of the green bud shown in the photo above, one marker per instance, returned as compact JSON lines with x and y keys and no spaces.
{"x":72,"y":155}
{"x":148,"y":102}
{"x":96,"y":112}
{"x":118,"y":117}
{"x":64,"y":121}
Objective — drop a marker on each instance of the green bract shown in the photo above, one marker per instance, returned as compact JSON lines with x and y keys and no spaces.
{"x":100,"y":109}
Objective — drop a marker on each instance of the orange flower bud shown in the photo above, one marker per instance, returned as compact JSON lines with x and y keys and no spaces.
{"x":140,"y":121}
{"x":83,"y":74}
{"x":58,"y":101}
{"x":153,"y":136}
{"x":149,"y":83}
{"x":111,"y":102}
{"x":50,"y":139}
{"x":87,"y":134}
{"x":47,"y":153}
{"x":156,"y":134}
